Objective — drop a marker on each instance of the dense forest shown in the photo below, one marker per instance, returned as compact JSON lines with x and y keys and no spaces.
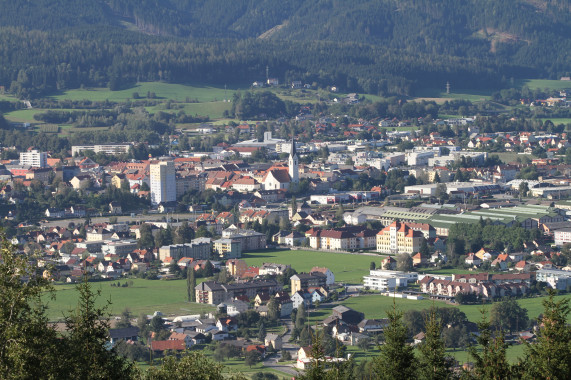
{"x":380,"y":47}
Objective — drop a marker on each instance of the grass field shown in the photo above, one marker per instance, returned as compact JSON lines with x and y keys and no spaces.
{"x":440,"y":95}
{"x":347,"y":268}
{"x":23,"y":116}
{"x":9,"y":98}
{"x":507,"y":157}
{"x":178,"y":92}
{"x":145,"y":296}
{"x":376,"y":306}
{"x":513,"y":353}
{"x":544,"y":83}
{"x":557,"y":121}
{"x":214,"y":110}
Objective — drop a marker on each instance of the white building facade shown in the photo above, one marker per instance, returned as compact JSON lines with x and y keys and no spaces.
{"x":163,"y":182}
{"x":34,"y":158}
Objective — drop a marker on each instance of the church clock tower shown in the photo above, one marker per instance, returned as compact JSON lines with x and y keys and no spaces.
{"x":293,"y":163}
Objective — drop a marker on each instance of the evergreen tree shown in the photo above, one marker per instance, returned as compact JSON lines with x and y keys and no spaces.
{"x":262,"y":332}
{"x":192,"y":366}
{"x":339,"y":213}
{"x":273,"y":309}
{"x":432,"y":363}
{"x":208,"y":269}
{"x":300,"y":317}
{"x":125,"y":319}
{"x":146,"y":239}
{"x":424,"y":251}
{"x":550,"y":356}
{"x":87,"y":354}
{"x":293,"y":205}
{"x":305,"y":336}
{"x":184,"y":234}
{"x":396,"y":360}
{"x":190,"y":284}
{"x":29,"y":346}
{"x":491,"y":363}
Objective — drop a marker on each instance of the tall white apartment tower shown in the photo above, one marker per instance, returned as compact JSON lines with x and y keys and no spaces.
{"x":34,"y":158}
{"x":163,"y":182}
{"x":293,"y":163}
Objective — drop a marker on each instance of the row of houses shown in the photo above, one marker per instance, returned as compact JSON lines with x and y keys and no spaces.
{"x":485,"y":285}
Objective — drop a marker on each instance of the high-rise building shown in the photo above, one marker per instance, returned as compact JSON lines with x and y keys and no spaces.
{"x":293,"y":163}
{"x":34,"y":158}
{"x":163,"y":182}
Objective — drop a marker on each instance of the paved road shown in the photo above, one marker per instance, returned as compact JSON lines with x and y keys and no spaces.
{"x":273,"y":363}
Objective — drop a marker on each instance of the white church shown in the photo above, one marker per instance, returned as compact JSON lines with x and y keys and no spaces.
{"x":280,"y":178}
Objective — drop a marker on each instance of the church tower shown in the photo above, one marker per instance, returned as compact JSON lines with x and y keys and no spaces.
{"x":293,"y":163}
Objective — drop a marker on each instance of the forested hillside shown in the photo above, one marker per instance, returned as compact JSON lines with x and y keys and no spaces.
{"x":375,"y":46}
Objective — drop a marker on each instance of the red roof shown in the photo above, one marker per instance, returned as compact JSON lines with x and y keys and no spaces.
{"x":162,"y":345}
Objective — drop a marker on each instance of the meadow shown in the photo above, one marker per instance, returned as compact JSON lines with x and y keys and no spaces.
{"x":347,"y":268}
{"x":376,"y":306}
{"x":544,"y":84}
{"x":166,"y":91}
{"x":557,"y":120}
{"x":440,"y":95}
{"x":145,"y":296}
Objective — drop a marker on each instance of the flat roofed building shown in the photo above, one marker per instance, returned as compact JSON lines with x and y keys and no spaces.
{"x":227,"y":248}
{"x":198,"y":249}
{"x":102,"y":148}
{"x":34,"y":158}
{"x":163,"y":182}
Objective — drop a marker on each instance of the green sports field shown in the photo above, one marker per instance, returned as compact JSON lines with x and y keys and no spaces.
{"x":145,"y":296}
{"x":347,"y":268}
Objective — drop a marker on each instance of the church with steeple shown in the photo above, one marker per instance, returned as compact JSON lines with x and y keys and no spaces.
{"x":280,"y":178}
{"x":293,"y":163}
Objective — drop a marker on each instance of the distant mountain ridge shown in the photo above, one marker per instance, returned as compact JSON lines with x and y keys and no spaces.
{"x":463,"y":37}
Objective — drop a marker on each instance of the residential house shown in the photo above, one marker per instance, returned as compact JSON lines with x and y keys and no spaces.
{"x":303,"y":281}
{"x":160,"y":346}
{"x":327,"y":272}
{"x":127,"y":333}
{"x":274,"y":341}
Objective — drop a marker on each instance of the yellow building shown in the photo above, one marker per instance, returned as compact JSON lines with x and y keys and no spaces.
{"x":236,"y":268}
{"x":118,"y":180}
{"x":398,"y":238}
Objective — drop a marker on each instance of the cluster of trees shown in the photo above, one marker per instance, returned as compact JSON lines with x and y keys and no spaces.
{"x":119,"y":118}
{"x":464,"y":238}
{"x":264,"y":105}
{"x":166,"y":236}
